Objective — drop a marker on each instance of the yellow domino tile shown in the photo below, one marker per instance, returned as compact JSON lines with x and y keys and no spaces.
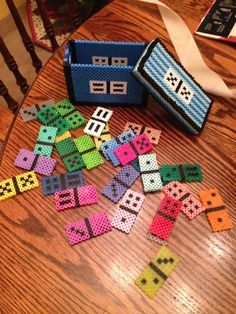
{"x":65,"y":135}
{"x":105,"y":136}
{"x":7,"y":189}
{"x":157,"y":271}
{"x":27,"y":181}
{"x":18,"y":184}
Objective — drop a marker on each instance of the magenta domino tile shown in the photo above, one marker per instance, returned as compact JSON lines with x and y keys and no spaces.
{"x":127,"y":152}
{"x":88,"y":228}
{"x":33,"y":162}
{"x":81,"y":196}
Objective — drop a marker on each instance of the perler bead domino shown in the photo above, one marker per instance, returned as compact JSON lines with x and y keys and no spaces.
{"x":18,"y":184}
{"x":127,"y":210}
{"x":98,"y":121}
{"x":157,"y":271}
{"x":191,"y":207}
{"x":64,"y":181}
{"x":173,"y":87}
{"x":135,"y":164}
{"x":150,"y":174}
{"x":88,"y":151}
{"x":129,"y":151}
{"x":29,"y":113}
{"x":109,"y":146}
{"x":69,"y":112}
{"x":105,"y":136}
{"x":181,"y":173}
{"x":81,"y":196}
{"x":153,"y":134}
{"x":216,"y":212}
{"x":70,"y":155}
{"x":50,"y":117}
{"x":88,"y":228}
{"x":45,"y":141}
{"x":62,"y":137}
{"x":30,"y":161}
{"x":164,"y":220}
{"x":120,"y":183}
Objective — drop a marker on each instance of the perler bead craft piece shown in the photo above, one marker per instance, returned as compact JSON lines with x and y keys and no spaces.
{"x":29,"y":113}
{"x":153,"y":134}
{"x":120,"y":183}
{"x":45,"y":141}
{"x":81,"y":196}
{"x":69,"y":112}
{"x":70,"y":155}
{"x":109,"y":146}
{"x":98,"y":121}
{"x":99,"y":72}
{"x":105,"y":136}
{"x":30,"y":161}
{"x":181,"y":173}
{"x":191,"y":207}
{"x":164,"y":220}
{"x":88,"y":228}
{"x":88,"y":151}
{"x":62,"y":137}
{"x":157,"y":271}
{"x":50,"y":117}
{"x":18,"y":184}
{"x":216,"y":212}
{"x":173,"y":87}
{"x":59,"y":182}
{"x":127,"y":210}
{"x":129,"y":151}
{"x":150,"y":174}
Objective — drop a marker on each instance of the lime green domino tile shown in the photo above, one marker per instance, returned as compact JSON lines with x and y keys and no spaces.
{"x":70,"y":155}
{"x":50,"y":117}
{"x":90,"y":154}
{"x":157,"y":271}
{"x":69,"y":112}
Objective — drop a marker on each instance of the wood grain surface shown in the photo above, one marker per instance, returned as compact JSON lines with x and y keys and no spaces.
{"x":41,"y":273}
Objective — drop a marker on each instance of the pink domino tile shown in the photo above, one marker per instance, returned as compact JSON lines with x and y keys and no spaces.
{"x":127,"y":210}
{"x":129,"y":151}
{"x":81,"y":196}
{"x":191,"y":207}
{"x":88,"y":228}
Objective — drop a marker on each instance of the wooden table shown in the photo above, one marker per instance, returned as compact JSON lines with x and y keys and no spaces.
{"x":41,"y":273}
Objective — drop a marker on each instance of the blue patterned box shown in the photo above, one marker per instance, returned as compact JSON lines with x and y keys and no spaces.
{"x":101,"y":72}
{"x":173,"y":87}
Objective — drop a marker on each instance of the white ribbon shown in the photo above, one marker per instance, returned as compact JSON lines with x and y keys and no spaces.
{"x":189,"y":53}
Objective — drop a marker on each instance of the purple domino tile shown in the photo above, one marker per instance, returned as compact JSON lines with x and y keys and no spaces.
{"x":117,"y":187}
{"x":30,"y":161}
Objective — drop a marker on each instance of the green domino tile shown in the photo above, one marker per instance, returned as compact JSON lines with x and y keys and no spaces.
{"x":49,"y":117}
{"x":45,"y":141}
{"x":192,"y":173}
{"x":181,"y":173}
{"x":89,"y":152}
{"x":71,"y":157}
{"x":69,"y":112}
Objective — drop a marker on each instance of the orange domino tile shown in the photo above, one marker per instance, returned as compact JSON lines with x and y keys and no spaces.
{"x":216,"y":212}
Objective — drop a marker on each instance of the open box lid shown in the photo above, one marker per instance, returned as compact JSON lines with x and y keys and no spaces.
{"x":173,"y":87}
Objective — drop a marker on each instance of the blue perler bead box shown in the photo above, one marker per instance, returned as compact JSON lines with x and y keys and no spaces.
{"x":173,"y":87}
{"x":101,"y":72}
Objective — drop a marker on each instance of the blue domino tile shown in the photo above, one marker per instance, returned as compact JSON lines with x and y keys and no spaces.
{"x":109,"y":146}
{"x":68,"y":180}
{"x":135,"y":164}
{"x":173,"y":87}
